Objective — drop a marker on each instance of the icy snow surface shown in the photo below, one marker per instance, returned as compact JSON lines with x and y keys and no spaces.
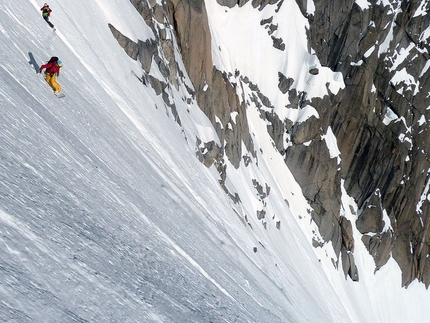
{"x":106,"y":215}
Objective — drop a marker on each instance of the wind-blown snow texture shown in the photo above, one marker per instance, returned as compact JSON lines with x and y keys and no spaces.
{"x":106,"y":215}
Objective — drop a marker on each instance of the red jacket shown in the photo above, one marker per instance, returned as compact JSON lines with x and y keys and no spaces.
{"x":46,"y":9}
{"x":51,"y":68}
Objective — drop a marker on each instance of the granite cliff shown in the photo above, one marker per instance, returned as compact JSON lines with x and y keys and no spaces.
{"x":379,"y":118}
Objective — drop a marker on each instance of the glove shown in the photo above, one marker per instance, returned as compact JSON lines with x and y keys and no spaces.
{"x":40,"y":71}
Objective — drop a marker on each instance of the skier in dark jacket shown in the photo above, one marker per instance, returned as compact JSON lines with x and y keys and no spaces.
{"x":46,"y":12}
{"x":52,"y":71}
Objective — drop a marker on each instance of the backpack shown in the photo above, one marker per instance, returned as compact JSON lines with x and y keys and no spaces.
{"x":45,"y":12}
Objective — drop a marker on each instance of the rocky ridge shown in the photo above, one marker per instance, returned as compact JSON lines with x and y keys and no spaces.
{"x":379,"y":120}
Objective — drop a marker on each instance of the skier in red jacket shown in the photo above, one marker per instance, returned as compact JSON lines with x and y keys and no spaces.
{"x":46,"y":12}
{"x":52,"y":71}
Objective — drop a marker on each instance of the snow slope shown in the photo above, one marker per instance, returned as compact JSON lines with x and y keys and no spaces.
{"x":106,"y":215}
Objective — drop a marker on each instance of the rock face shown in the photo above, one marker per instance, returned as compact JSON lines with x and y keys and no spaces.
{"x":215,"y":94}
{"x":385,"y":163}
{"x":379,"y":121}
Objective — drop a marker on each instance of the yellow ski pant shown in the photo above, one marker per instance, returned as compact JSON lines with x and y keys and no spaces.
{"x":52,"y":81}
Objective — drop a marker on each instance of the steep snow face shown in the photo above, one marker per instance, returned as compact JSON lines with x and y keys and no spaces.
{"x":106,"y":214}
{"x":243,"y":40}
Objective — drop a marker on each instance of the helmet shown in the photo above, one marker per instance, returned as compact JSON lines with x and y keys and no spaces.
{"x":59,"y":63}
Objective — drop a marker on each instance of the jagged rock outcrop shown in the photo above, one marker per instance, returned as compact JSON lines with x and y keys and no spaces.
{"x":255,"y":3}
{"x":215,"y":93}
{"x":159,"y":50}
{"x":129,"y":46}
{"x":209,"y":153}
{"x":320,"y":181}
{"x":371,"y":217}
